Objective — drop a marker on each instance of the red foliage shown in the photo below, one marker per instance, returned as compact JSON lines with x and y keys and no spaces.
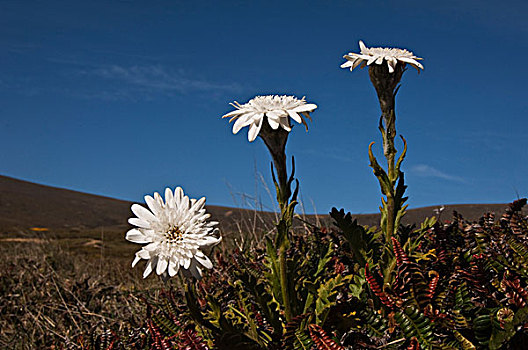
{"x":376,"y":288}
{"x":322,"y":340}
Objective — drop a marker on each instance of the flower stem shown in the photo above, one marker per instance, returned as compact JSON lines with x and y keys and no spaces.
{"x":386,"y":85}
{"x":275,"y":141}
{"x":391,"y":207}
{"x":284,"y":284}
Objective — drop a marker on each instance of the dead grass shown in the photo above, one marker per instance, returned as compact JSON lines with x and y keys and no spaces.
{"x":53,"y":293}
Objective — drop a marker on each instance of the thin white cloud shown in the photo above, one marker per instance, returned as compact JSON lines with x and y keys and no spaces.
{"x":148,"y":80}
{"x":424,"y":170}
{"x":88,"y":80}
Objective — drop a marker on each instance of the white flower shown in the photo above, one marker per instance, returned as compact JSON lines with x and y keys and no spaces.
{"x":277,"y":109}
{"x":174,"y":231}
{"x":379,"y":54}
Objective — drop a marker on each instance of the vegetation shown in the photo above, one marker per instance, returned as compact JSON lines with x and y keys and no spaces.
{"x":457,"y":285}
{"x":454,"y":285}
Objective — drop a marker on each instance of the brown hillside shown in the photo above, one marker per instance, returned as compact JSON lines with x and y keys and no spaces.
{"x":24,"y":205}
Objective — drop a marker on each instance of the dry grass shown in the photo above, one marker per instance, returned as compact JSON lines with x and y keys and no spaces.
{"x":52,"y":294}
{"x":57,"y":288}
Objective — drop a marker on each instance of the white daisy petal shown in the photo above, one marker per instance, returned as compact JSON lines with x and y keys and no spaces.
{"x":143,"y":254}
{"x":204,"y":261}
{"x":376,"y":55}
{"x":295,"y":116}
{"x":153,"y":205}
{"x":254,"y":130}
{"x":209,"y":240}
{"x":276,"y":114}
{"x":273,"y":107}
{"x":137,"y":258}
{"x":347,"y":63}
{"x":173,"y":231}
{"x":148,"y":268}
{"x":162,"y":265}
{"x":362,"y":46}
{"x":372,"y":60}
{"x":241,"y":122}
{"x":143,"y":213}
{"x":234,"y":113}
{"x":391,"y":66}
{"x":178,"y":195}
{"x":174,"y":266}
{"x":305,"y":108}
{"x":274,"y":122}
{"x":136,"y":236}
{"x":169,"y":197}
{"x":186,"y":263}
{"x":139,"y":223}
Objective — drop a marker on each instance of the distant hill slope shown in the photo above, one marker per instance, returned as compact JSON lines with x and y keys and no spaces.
{"x":25,"y":204}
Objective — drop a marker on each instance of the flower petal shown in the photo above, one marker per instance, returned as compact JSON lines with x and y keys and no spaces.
{"x":209,"y":240}
{"x":139,"y":223}
{"x":136,"y":236}
{"x":149,"y":267}
{"x":137,"y":258}
{"x":295,"y":116}
{"x":204,"y":261}
{"x":143,"y":213}
{"x":241,"y":122}
{"x":254,"y":129}
{"x":178,"y":196}
{"x":371,"y":60}
{"x":174,"y":267}
{"x":362,"y":47}
{"x":305,"y":108}
{"x":273,"y":122}
{"x":234,"y":113}
{"x":186,"y":263}
{"x":391,"y":65}
{"x":348,"y":63}
{"x":162,"y":265}
{"x":411,"y":61}
{"x":153,"y":205}
{"x":169,"y":198}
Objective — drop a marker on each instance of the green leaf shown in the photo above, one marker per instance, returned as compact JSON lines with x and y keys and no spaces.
{"x":326,"y":296}
{"x":414,"y":324}
{"x":385,"y":183}
{"x":356,"y":287}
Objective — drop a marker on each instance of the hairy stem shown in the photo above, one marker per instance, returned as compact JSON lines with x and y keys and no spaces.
{"x":275,"y":141}
{"x":284,"y":284}
{"x":386,"y":84}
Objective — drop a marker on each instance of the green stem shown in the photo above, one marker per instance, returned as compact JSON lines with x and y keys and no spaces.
{"x":391,"y":206}
{"x":284,"y":284}
{"x":275,"y":141}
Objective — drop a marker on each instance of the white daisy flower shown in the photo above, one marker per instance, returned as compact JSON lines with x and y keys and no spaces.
{"x":277,"y":109}
{"x":174,"y":231}
{"x":379,"y":54}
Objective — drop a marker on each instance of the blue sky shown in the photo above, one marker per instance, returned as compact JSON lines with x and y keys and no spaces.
{"x":124,"y":98}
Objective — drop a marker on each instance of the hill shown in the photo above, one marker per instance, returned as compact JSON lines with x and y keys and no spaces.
{"x":25,"y":205}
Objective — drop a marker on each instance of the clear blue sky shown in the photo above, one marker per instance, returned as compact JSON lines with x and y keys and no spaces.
{"x":123,"y":98}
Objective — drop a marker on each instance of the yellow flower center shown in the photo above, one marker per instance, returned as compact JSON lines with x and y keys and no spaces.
{"x":174,"y":234}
